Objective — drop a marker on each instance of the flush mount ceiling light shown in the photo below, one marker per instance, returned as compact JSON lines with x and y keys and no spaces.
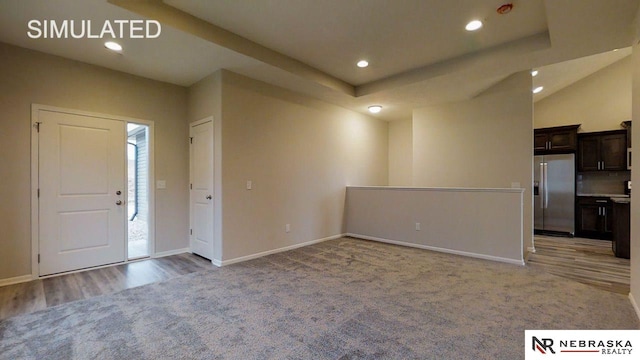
{"x":362,"y":63}
{"x":538,"y":89}
{"x":505,"y":8}
{"x":112,"y":45}
{"x":473,"y":25}
{"x":374,"y":109}
{"x":534,"y":72}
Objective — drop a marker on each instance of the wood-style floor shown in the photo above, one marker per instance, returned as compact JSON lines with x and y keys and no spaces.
{"x":587,"y":261}
{"x":43,"y":293}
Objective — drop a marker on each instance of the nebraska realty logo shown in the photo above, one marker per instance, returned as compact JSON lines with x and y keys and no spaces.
{"x":86,"y":29}
{"x":581,"y":344}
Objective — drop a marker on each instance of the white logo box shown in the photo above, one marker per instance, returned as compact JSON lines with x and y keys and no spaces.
{"x":581,"y":344}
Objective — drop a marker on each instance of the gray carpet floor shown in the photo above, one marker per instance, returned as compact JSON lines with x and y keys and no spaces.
{"x":341,"y":299}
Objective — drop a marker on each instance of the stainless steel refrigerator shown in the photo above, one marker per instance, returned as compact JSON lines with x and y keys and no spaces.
{"x":554,"y":193}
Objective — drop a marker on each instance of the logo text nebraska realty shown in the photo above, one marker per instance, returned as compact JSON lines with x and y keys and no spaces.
{"x":578,"y":344}
{"x":613,"y":347}
{"x":78,"y":29}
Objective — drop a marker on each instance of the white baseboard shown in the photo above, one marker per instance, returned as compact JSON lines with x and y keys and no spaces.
{"x":635,"y":305}
{"x":531,"y":249}
{"x":171,"y":252}
{"x":15,"y":280}
{"x":519,"y":262}
{"x":274,"y":251}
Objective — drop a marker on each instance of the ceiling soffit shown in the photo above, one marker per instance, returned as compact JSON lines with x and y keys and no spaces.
{"x":181,"y":20}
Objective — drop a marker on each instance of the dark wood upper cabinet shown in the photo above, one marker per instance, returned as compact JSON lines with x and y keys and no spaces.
{"x":560,"y":139}
{"x":589,"y":153}
{"x":614,"y":151}
{"x":602,"y":151}
{"x":627,"y":125}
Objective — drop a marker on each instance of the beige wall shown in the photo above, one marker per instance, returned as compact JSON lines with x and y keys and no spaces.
{"x":635,"y":177}
{"x":401,"y":153}
{"x":599,"y":102}
{"x":300,"y":154}
{"x":30,"y":77}
{"x":485,"y":142}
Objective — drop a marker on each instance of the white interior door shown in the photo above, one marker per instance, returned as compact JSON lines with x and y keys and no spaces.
{"x":82,"y":191}
{"x":202,"y":188}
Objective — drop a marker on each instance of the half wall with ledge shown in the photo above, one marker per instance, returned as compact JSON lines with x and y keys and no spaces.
{"x":477,"y":222}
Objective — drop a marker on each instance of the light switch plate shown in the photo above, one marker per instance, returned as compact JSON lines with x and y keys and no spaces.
{"x":161,"y":184}
{"x":249,"y":185}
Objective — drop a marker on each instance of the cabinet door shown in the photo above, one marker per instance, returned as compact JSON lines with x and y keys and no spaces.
{"x":613,"y":150}
{"x":563,"y":140}
{"x":588,"y":219}
{"x":588,"y":153}
{"x":607,"y":222}
{"x":540,"y":140}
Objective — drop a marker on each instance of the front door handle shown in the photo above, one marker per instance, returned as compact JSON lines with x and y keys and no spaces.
{"x":209,"y":197}
{"x":119,"y":202}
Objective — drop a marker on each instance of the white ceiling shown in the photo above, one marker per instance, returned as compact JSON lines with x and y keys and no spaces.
{"x":556,"y":77}
{"x":394,"y":36}
{"x":419,"y":52}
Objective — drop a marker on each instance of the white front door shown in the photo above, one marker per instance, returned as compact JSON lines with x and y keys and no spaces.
{"x":202,"y":188}
{"x":82,"y":191}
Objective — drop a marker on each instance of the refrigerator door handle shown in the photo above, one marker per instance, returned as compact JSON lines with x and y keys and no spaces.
{"x":546,"y":190}
{"x":542,"y":185}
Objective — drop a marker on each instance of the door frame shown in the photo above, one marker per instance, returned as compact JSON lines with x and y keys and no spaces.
{"x":35,"y":176}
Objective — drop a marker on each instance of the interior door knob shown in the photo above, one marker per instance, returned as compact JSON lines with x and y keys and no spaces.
{"x":119,"y":202}
{"x":209,"y":197}
{"x":118,"y":192}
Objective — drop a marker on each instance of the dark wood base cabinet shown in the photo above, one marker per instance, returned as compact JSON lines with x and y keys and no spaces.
{"x":621,"y":229}
{"x":594,"y":218}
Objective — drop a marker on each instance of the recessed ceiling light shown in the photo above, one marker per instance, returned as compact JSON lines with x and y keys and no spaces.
{"x":374,"y":109}
{"x":538,"y":89}
{"x":111,"y":45}
{"x":534,"y":72}
{"x":473,"y":25}
{"x":362,"y":63}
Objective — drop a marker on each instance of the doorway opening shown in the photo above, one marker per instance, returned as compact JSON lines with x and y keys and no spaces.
{"x":137,"y":190}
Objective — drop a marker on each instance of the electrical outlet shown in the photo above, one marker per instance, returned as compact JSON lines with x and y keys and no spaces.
{"x":417,"y":226}
{"x":287,"y":228}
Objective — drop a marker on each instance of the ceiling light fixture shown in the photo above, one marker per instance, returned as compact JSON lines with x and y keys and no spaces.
{"x":505,"y":8}
{"x":111,"y":45}
{"x":534,"y":72}
{"x":473,"y":25}
{"x":374,"y":109}
{"x":538,"y":89}
{"x":362,"y":63}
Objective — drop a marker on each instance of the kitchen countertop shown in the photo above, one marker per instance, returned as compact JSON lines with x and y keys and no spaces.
{"x":621,"y":200}
{"x":621,"y":196}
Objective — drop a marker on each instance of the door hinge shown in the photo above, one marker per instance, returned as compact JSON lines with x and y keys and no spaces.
{"x":38,"y":192}
{"x":37,"y":126}
{"x":38,"y":258}
{"x":190,"y":231}
{"x":191,"y":186}
{"x":190,"y":140}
